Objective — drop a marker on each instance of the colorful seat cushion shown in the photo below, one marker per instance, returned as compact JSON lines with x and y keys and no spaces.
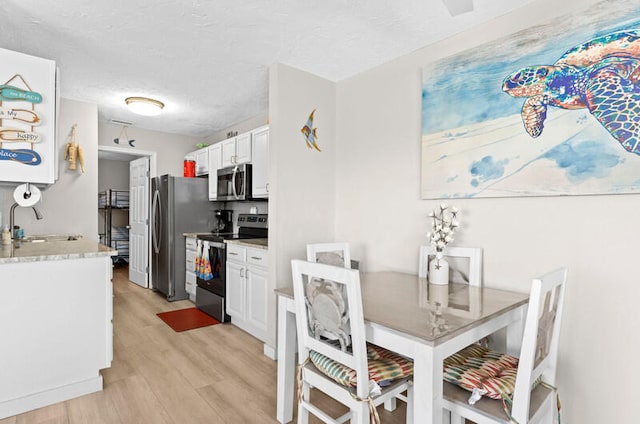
{"x":476,"y":367}
{"x":384,"y":367}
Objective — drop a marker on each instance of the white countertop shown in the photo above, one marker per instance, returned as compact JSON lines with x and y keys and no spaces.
{"x":259,"y":243}
{"x":53,"y":251}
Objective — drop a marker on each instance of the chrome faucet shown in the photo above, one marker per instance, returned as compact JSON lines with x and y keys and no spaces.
{"x":12,"y":220}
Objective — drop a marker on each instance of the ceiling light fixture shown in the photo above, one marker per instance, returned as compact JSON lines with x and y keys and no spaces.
{"x":144,"y":105}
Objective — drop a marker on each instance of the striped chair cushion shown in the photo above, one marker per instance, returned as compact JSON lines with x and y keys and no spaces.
{"x":384,"y":367}
{"x":476,"y":367}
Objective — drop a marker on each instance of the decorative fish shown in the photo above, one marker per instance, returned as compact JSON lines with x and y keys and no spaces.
{"x":310,"y":133}
{"x":11,"y":93}
{"x":14,"y":135}
{"x":25,"y":156}
{"x":23,"y":115}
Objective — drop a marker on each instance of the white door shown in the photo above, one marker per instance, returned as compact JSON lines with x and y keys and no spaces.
{"x":139,"y":221}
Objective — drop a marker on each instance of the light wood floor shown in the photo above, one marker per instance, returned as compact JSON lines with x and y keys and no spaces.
{"x":211,"y":375}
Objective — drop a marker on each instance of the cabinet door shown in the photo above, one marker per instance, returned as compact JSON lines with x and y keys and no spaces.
{"x":235,"y":299}
{"x":202,"y":161}
{"x":243,"y":148}
{"x":256,"y":313}
{"x":260,"y":162}
{"x":215,"y":163}
{"x":228,"y":152}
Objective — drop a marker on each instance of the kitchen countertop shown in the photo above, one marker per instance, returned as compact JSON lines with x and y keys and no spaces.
{"x":53,"y":251}
{"x":260,"y":243}
{"x":195,"y":235}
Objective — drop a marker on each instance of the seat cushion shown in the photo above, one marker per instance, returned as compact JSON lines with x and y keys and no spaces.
{"x":384,"y":367}
{"x":476,"y":367}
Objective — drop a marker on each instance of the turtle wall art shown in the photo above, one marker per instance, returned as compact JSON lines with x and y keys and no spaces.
{"x":539,"y":113}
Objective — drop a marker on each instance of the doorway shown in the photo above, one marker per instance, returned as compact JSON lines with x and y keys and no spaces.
{"x":130,"y":170}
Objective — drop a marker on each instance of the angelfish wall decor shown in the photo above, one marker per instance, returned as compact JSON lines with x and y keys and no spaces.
{"x":310,"y":133}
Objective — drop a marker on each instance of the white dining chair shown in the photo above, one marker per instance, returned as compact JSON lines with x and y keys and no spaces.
{"x":533,"y":399}
{"x":337,"y":254}
{"x":472,"y":275}
{"x":341,"y":370}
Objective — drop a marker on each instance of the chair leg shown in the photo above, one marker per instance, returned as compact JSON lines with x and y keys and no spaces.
{"x":456,"y":419}
{"x":390,"y":405}
{"x":303,"y":414}
{"x":361,"y":413}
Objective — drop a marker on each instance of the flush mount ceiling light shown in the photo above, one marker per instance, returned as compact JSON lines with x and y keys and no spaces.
{"x":144,"y":105}
{"x":458,"y":7}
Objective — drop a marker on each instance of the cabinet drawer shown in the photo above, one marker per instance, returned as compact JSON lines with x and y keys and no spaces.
{"x":190,"y":244}
{"x":236,"y":253}
{"x":257,"y":257}
{"x":190,"y":263}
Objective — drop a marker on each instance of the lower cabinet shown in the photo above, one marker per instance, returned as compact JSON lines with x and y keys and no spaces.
{"x":190,"y":267}
{"x":246,"y":296}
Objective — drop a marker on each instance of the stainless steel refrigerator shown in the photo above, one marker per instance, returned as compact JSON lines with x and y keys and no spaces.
{"x":178,"y":205}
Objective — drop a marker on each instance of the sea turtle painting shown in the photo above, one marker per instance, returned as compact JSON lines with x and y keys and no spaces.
{"x":601,"y":75}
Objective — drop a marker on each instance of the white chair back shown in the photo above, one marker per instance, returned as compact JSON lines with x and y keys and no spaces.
{"x":474,"y":254}
{"x":317,"y":312}
{"x":336,"y":254}
{"x":539,"y":354}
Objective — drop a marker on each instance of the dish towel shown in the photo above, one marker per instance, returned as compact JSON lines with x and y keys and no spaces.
{"x":205,"y":263}
{"x":198,"y":258}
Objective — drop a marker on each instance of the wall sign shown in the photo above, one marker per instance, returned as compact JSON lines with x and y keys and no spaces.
{"x":27,"y":118}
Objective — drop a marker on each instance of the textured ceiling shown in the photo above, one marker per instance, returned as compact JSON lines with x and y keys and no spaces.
{"x":208,"y":61}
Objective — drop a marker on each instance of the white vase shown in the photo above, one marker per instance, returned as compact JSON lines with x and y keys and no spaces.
{"x":438,"y":271}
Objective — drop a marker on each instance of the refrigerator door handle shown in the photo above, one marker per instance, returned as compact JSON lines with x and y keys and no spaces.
{"x":157,"y":222}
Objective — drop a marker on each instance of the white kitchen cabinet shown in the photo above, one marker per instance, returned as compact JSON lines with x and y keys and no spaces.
{"x":246,"y":296}
{"x":215,"y":163}
{"x":260,"y":161}
{"x":190,"y":267}
{"x":202,"y":161}
{"x":236,"y":150}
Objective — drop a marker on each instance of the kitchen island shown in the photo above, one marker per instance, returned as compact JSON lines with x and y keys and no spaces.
{"x":56,"y":328}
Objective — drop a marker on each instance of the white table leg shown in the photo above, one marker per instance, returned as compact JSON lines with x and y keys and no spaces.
{"x":286,"y":360}
{"x":427,"y":387}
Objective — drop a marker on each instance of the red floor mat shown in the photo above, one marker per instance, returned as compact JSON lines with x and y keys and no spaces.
{"x":187,"y":319}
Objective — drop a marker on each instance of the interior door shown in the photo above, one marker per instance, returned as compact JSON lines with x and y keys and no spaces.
{"x":139,"y":221}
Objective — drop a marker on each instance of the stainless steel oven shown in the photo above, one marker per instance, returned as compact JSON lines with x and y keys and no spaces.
{"x":211,"y":285}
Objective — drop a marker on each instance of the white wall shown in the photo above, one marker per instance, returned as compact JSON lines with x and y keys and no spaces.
{"x":301,"y":181}
{"x":378,"y":209}
{"x":170,"y":148}
{"x":69,"y":205}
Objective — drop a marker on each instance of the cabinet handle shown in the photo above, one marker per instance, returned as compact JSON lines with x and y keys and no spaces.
{"x":247,"y":273}
{"x":267,"y":187}
{"x":241,"y":272}
{"x":256,"y":258}
{"x":233,"y":254}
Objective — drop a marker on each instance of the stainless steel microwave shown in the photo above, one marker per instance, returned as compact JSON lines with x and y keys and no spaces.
{"x":234,"y":182}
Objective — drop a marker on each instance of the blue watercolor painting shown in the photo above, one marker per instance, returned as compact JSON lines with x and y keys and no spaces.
{"x":541,"y":112}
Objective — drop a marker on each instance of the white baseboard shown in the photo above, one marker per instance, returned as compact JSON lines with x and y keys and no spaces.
{"x":269,"y":351}
{"x":17,"y":406}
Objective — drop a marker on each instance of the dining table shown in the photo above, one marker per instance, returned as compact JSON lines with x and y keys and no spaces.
{"x":422,"y":321}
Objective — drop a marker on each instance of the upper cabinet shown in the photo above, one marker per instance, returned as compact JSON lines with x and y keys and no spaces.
{"x":28,"y":150}
{"x":202,"y":161}
{"x":215,"y":163}
{"x":236,"y":150}
{"x":260,"y":161}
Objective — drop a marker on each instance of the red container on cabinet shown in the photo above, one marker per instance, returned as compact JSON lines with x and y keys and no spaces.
{"x":189,"y":168}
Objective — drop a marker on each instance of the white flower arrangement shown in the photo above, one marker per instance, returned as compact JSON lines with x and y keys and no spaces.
{"x":444,"y":222}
